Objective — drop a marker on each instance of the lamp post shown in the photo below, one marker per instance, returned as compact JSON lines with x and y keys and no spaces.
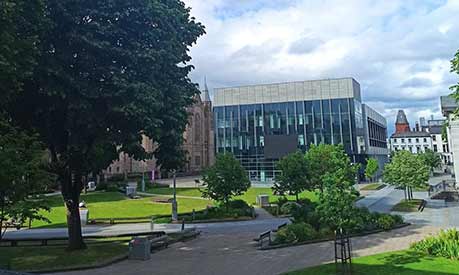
{"x":174,"y":200}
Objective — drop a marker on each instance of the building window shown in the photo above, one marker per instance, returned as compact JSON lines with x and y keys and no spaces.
{"x":435,"y":148}
{"x":110,"y":169}
{"x":434,"y":137}
{"x":262,"y":141}
{"x":197,"y":160}
{"x":409,"y":140}
{"x":300,"y":119}
{"x":301,"y":140}
{"x":403,"y":140}
{"x":395,"y":140}
{"x":117,"y":169}
{"x":417,"y":140}
{"x":425,"y":140}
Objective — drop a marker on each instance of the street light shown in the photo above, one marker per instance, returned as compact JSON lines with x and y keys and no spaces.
{"x":174,"y":199}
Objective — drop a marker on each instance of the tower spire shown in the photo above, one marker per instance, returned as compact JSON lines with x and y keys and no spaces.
{"x":205,"y":92}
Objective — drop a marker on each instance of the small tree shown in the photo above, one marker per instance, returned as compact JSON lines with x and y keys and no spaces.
{"x":431,"y":159}
{"x":225,"y":179}
{"x":371,"y":168}
{"x":336,"y":205}
{"x":323,"y":160}
{"x":293,"y":178}
{"x":22,"y":173}
{"x":406,"y":171}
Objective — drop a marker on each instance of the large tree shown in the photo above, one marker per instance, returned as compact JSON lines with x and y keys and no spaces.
{"x":225,"y":179}
{"x":407,"y":171}
{"x":293,"y":178}
{"x":109,"y":72}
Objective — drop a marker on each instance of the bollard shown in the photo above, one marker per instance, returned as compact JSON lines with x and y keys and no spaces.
{"x":183,"y":224}
{"x":193,"y":215}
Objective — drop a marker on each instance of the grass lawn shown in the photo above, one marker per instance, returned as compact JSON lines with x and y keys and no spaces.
{"x":36,"y":258}
{"x":373,"y":186}
{"x":405,"y":262}
{"x":250,"y":196}
{"x":116,"y":205}
{"x":407,"y":206}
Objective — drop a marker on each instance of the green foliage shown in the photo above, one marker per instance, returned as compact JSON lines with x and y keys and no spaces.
{"x":22,"y":173}
{"x":455,"y":69}
{"x":107,"y":74}
{"x":431,"y":159}
{"x":446,"y":244}
{"x":406,"y":170}
{"x":293,"y":178}
{"x":289,"y":207}
{"x":21,"y":23}
{"x":225,"y":179}
{"x":326,"y":161}
{"x":295,"y":233}
{"x":371,"y":168}
{"x":385,"y":222}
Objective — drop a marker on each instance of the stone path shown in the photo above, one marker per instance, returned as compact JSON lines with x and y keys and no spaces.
{"x":234,"y":253}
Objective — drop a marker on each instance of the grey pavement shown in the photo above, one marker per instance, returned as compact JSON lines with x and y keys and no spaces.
{"x":235,"y":253}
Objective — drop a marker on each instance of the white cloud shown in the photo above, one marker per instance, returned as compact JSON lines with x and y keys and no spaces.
{"x":399,"y":50}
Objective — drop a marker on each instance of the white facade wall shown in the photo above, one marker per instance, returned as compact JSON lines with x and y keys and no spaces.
{"x":288,"y":92}
{"x":412,"y":144}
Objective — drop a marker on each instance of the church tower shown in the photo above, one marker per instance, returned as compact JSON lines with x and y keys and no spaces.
{"x":401,"y":124}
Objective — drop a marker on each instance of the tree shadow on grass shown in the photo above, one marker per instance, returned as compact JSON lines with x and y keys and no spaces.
{"x":407,"y":257}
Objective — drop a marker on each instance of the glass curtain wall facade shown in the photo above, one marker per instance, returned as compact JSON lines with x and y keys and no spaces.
{"x":242,"y":129}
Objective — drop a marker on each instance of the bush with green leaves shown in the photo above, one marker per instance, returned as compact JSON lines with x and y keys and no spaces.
{"x":295,"y":233}
{"x":445,"y":244}
{"x":385,"y":222}
{"x":289,"y":207}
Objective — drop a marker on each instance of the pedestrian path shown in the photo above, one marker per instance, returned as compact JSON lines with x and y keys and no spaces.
{"x":227,"y":254}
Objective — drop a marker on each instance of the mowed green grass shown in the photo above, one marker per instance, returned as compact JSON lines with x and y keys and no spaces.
{"x":407,"y":205}
{"x":36,"y":258}
{"x":373,"y":186}
{"x":405,"y":262}
{"x":116,"y":205}
{"x":250,"y":196}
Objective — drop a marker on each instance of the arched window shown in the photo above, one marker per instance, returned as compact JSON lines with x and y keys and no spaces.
{"x":197,"y":129}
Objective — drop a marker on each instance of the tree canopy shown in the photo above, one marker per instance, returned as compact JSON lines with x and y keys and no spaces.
{"x":225,"y":179}
{"x":324,"y":160}
{"x":293,"y":177}
{"x":406,"y":170}
{"x":371,"y":168}
{"x":107,"y":73}
{"x":431,"y":159}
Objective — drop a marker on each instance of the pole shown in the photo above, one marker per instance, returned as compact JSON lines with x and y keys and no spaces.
{"x":143,"y":181}
{"x":174,"y":200}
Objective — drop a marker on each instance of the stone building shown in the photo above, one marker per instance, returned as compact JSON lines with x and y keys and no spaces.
{"x":198,"y":144}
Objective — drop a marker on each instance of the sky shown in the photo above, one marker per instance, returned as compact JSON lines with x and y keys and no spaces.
{"x":398,"y":50}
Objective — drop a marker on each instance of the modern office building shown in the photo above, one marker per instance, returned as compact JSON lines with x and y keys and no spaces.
{"x":259,"y":124}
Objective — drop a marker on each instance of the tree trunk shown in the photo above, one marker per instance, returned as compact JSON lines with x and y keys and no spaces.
{"x":71,"y":189}
{"x":404,"y":192}
{"x":297,"y":198}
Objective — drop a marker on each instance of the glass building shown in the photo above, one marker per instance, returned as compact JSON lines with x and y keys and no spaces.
{"x":260,"y":124}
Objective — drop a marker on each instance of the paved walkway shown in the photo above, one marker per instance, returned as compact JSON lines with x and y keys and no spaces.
{"x":234,"y":253}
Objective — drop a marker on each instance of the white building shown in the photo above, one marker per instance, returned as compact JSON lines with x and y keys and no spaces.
{"x":414,"y":142}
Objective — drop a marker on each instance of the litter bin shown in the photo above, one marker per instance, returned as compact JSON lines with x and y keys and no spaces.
{"x":263,"y":200}
{"x":139,"y":249}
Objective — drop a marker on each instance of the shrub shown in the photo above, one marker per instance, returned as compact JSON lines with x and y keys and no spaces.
{"x":385,"y":222}
{"x":281,"y":201}
{"x":296,"y":232}
{"x":445,"y":244}
{"x":238,"y":204}
{"x":398,"y":219}
{"x":289,"y":207}
{"x":101,"y":186}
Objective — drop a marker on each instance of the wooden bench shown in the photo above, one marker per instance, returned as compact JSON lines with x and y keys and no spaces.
{"x":263,"y":236}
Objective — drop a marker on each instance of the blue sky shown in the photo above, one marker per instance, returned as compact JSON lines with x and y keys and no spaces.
{"x":398,"y":50}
